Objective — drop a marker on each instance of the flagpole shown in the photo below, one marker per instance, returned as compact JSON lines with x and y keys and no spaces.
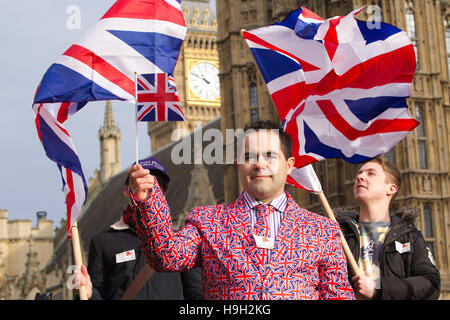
{"x":347,"y":251}
{"x":323,"y":199}
{"x":136,"y":112}
{"x":78,"y":258}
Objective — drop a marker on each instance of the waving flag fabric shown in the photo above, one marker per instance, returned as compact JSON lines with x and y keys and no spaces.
{"x":142,"y":36}
{"x":58,"y":146}
{"x":157,"y":98}
{"x":305,"y":178}
{"x":339,"y":85}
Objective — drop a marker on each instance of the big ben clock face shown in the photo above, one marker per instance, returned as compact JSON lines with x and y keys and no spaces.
{"x":204,"y":81}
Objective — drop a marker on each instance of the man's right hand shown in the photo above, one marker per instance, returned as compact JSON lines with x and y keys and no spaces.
{"x":82,"y":278}
{"x":141,"y":182}
{"x":365,"y":286}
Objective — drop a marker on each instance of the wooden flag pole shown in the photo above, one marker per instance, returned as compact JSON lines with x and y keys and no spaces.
{"x":347,"y":251}
{"x":77,"y":256}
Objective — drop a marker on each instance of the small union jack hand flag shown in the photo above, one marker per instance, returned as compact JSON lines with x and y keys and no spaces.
{"x":157,"y":98}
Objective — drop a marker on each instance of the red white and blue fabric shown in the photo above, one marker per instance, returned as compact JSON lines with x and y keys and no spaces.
{"x":279,"y":206}
{"x":304,"y":178}
{"x":307,"y":261}
{"x":59,"y":147}
{"x":157,"y":98}
{"x":339,"y":85}
{"x":142,"y":36}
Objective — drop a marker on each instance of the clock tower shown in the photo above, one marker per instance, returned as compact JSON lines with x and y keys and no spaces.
{"x":196,"y":75}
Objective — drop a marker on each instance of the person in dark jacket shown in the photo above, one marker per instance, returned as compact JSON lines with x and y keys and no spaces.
{"x":391,"y":252}
{"x":115,"y":259}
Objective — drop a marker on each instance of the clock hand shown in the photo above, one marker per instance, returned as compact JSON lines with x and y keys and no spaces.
{"x":201,"y":77}
{"x":204,"y":79}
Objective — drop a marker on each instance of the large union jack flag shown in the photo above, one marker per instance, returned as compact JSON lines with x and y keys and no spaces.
{"x":134,"y":36}
{"x":339,"y":85}
{"x":157,"y":98}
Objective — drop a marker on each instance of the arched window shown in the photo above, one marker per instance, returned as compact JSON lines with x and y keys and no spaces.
{"x":253,"y":92}
{"x":427,"y":221}
{"x":253,"y":89}
{"x":421,"y":137}
{"x":428,"y":228}
{"x":411,"y":28}
{"x":447,"y":41}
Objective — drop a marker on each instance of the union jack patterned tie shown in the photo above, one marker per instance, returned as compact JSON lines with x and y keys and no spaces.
{"x":261,"y":227}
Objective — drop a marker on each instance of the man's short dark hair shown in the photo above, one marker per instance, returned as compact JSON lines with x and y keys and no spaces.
{"x":285,"y":139}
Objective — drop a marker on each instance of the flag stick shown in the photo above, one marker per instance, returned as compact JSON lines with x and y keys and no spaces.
{"x":323,"y":199}
{"x":77,"y":256}
{"x":136,"y":112}
{"x":347,"y":251}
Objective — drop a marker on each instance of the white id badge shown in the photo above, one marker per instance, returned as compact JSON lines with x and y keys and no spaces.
{"x":125,"y":256}
{"x":403,"y":247}
{"x":264,"y":242}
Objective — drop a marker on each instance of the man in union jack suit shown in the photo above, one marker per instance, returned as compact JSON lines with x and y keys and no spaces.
{"x":262,"y":246}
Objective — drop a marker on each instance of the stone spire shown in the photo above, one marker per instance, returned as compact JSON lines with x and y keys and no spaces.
{"x":109,"y":126}
{"x":109,"y":137}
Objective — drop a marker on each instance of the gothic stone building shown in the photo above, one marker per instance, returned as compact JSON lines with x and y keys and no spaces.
{"x":24,"y":251}
{"x":423,"y":156}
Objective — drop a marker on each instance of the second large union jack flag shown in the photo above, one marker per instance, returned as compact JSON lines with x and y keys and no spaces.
{"x":339,"y":85}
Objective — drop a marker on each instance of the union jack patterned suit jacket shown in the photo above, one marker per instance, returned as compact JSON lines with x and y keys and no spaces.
{"x":307,"y":261}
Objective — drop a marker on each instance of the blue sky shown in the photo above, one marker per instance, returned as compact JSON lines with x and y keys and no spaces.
{"x":32,"y":40}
